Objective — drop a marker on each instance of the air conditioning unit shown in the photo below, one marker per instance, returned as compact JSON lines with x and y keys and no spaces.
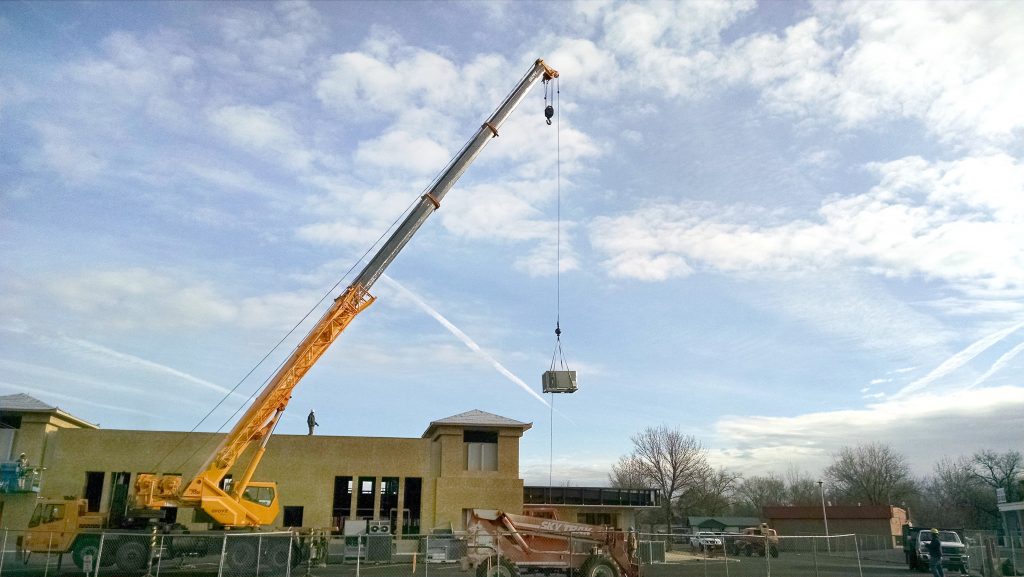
{"x":378,"y":527}
{"x":559,"y":381}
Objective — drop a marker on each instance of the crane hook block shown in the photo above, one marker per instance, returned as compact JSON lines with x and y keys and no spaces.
{"x":549,"y":111}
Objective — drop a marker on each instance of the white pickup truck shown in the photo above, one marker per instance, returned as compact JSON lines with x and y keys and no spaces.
{"x":707,"y":542}
{"x":915,"y":547}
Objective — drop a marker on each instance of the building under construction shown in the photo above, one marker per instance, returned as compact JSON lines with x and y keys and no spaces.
{"x":407,"y":485}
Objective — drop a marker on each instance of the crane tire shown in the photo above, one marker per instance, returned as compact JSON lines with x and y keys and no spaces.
{"x":131,"y":555}
{"x":274,"y":555}
{"x":599,"y":567}
{"x":89,"y":546}
{"x":240,"y":555}
{"x":497,"y":567}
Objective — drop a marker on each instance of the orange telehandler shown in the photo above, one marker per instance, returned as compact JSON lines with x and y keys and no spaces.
{"x":500,"y":544}
{"x":64,"y":525}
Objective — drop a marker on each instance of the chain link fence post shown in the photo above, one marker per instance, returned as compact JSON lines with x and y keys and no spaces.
{"x":292,"y":538}
{"x":223,"y":556}
{"x":3,"y":552}
{"x":856,"y":547}
{"x":49,"y":551}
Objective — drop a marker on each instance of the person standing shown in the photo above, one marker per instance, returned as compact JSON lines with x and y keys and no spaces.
{"x":311,"y":421}
{"x":935,"y":554}
{"x":23,"y":471}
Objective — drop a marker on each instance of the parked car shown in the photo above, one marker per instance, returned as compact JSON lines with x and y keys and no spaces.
{"x":707,"y":542}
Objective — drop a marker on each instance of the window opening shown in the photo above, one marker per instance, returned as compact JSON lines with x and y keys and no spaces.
{"x":342,"y":506}
{"x":411,"y":520}
{"x":292,"y":516}
{"x":93,"y":490}
{"x":388,"y":498}
{"x":481,"y":450}
{"x":364,"y":501}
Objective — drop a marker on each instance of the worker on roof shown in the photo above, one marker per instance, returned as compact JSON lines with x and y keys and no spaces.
{"x":311,"y":421}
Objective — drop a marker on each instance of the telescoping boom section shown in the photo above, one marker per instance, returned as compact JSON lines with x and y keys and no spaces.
{"x":249,"y":503}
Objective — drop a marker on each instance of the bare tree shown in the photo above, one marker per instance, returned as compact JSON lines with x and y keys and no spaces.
{"x":669,"y":461}
{"x":755,"y":492}
{"x":954,"y":497}
{"x":999,"y":470}
{"x":872,"y":474}
{"x":627,"y":474}
{"x":801,"y":488}
{"x":712,"y":495}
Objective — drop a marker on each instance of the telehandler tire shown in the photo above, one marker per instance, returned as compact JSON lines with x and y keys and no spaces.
{"x":495,"y":567}
{"x":599,"y":567}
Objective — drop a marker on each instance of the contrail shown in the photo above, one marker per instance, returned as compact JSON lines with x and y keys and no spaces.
{"x":62,"y":342}
{"x":51,"y":394}
{"x":51,"y":374}
{"x":958,"y":360}
{"x":464,"y":338}
{"x":132,"y":360}
{"x":999,"y":364}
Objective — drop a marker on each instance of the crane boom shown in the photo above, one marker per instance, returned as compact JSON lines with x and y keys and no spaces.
{"x":250,"y":503}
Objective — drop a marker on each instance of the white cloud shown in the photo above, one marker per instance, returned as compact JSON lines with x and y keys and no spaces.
{"x":275,"y":42}
{"x":68,"y":153}
{"x":126,"y":299}
{"x":401,"y":150}
{"x":957,"y":67}
{"x":358,"y":82}
{"x":955,"y":221}
{"x":129,"y":297}
{"x":768,"y":443}
{"x":262,"y":130}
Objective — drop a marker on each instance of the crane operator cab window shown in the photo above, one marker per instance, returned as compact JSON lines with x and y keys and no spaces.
{"x":46,"y":513}
{"x":262,"y":495}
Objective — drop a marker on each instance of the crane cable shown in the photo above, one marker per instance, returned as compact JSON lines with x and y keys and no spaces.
{"x":556,"y":97}
{"x":556,"y":110}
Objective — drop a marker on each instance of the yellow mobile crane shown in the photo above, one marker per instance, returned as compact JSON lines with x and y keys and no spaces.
{"x":64,"y":525}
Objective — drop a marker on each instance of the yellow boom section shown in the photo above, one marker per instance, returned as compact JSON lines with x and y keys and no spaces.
{"x":241,"y":507}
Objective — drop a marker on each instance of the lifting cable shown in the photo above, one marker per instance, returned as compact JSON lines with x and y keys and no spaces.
{"x":554,"y":108}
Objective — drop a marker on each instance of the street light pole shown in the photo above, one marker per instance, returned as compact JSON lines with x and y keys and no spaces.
{"x":824,"y":515}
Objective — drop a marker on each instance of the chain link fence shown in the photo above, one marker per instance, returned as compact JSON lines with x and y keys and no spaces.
{"x":320,"y":554}
{"x":996,"y":555}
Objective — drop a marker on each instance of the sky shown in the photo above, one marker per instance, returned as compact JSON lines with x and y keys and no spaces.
{"x":782,"y":228}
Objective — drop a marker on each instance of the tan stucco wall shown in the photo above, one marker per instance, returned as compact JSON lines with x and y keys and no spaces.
{"x":37,"y":439}
{"x":304,"y":468}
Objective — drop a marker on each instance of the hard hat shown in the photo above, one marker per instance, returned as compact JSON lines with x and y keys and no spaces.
{"x":935,"y":531}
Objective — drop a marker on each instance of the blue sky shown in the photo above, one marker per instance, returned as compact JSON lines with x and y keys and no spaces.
{"x":785,"y":227}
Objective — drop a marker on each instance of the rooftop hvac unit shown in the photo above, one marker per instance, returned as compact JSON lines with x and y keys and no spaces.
{"x":378,"y":527}
{"x":559,"y":381}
